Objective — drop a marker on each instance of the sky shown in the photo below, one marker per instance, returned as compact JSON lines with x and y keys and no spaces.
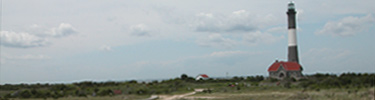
{"x":59,"y":41}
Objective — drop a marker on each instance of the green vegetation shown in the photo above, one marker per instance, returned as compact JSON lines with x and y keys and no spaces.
{"x":317,"y":86}
{"x":279,"y":93}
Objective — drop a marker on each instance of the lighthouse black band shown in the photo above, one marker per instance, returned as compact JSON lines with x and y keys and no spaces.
{"x":292,"y":54}
{"x":291,"y":19}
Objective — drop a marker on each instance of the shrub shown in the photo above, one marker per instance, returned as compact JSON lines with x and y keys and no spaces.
{"x":25,"y":94}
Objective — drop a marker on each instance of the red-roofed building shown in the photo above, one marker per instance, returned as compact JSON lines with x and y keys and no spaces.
{"x":280,"y":70}
{"x":202,"y":76}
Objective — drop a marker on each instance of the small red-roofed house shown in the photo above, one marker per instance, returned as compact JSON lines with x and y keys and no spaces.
{"x":202,"y":76}
{"x":281,"y":70}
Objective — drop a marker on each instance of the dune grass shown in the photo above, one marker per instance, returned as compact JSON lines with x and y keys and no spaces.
{"x":290,"y":94}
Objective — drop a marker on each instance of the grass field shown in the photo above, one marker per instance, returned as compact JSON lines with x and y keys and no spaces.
{"x":349,"y":86}
{"x":290,"y":94}
{"x":117,"y":97}
{"x":275,"y":93}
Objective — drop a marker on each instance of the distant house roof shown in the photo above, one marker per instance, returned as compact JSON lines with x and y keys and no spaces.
{"x":204,"y":75}
{"x":289,"y":66}
{"x":201,"y":76}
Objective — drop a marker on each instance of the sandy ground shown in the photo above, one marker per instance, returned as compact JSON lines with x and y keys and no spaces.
{"x":174,"y":97}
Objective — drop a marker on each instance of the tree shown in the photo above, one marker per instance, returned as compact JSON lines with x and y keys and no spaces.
{"x":132,"y":82}
{"x":25,"y":94}
{"x":96,"y":90}
{"x":184,"y":77}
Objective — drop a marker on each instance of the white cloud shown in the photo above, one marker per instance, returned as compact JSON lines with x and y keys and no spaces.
{"x":13,"y":59}
{"x":347,"y":26}
{"x":300,"y":14}
{"x":106,"y":48}
{"x":240,"y":21}
{"x":36,"y":36}
{"x":63,"y":29}
{"x":237,"y":21}
{"x":216,"y":40}
{"x":277,"y":30}
{"x":325,"y":54}
{"x":240,"y":12}
{"x":139,"y":30}
{"x":330,"y":59}
{"x":21,"y":40}
{"x":250,"y":38}
{"x":254,"y":38}
{"x":29,"y":57}
{"x":36,"y":29}
{"x":231,"y":53}
{"x":208,"y":15}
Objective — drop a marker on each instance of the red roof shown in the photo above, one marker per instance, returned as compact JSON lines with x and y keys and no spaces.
{"x":204,"y":75}
{"x":289,"y":66}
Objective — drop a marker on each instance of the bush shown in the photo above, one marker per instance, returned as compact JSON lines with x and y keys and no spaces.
{"x":105,"y":92}
{"x":273,"y":80}
{"x":25,"y":94}
{"x":287,"y":85}
{"x":184,"y":77}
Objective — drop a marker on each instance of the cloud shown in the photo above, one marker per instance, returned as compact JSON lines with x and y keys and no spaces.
{"x":63,"y":29}
{"x":216,"y":40}
{"x":237,"y":21}
{"x":105,"y":48}
{"x":240,"y":21}
{"x":13,"y":59}
{"x":325,"y":54}
{"x":231,"y":53}
{"x":37,"y":36}
{"x":250,"y":38}
{"x":139,"y":30}
{"x":27,"y":57}
{"x":347,"y":26}
{"x":21,"y":40}
{"x":254,"y":38}
{"x":300,"y":14}
{"x":330,"y":59}
{"x":278,"y":30}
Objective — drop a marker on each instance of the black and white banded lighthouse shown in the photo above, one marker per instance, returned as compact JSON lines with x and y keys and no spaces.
{"x":290,"y":68}
{"x":292,"y":34}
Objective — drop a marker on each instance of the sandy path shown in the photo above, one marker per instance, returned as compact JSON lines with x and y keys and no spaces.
{"x":179,"y":96}
{"x":174,"y":97}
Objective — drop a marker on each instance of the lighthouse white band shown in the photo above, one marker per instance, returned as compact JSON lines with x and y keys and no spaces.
{"x":292,"y":37}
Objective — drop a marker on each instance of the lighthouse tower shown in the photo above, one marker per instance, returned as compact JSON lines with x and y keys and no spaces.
{"x":292,"y":34}
{"x":290,"y":68}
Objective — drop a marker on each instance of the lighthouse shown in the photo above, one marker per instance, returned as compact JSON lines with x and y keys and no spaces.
{"x":291,"y":68}
{"x":292,"y":34}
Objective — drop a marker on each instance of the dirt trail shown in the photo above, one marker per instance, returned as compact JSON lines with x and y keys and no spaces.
{"x":179,"y":96}
{"x":174,"y":97}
